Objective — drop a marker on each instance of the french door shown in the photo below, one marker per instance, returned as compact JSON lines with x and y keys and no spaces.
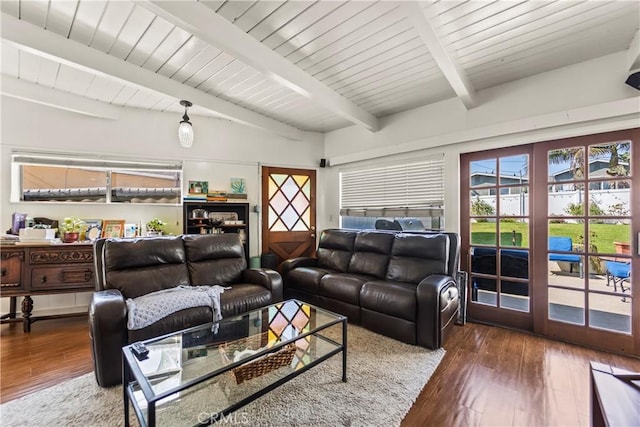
{"x":550,"y":238}
{"x":289,"y":212}
{"x":586,"y":224}
{"x":496,"y":235}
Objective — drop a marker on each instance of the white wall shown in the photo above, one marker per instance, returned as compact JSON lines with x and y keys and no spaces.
{"x":585,"y":98}
{"x":221,"y":150}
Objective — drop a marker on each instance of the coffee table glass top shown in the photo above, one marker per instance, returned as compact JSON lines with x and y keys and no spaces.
{"x":252,"y":350}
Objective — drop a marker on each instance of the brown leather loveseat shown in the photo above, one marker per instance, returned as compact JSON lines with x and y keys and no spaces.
{"x":398,"y":284}
{"x":129,"y":268}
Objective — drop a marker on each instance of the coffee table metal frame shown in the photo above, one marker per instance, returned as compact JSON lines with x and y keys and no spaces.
{"x":132,"y":373}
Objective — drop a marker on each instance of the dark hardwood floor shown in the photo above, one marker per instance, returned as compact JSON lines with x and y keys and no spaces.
{"x":54,"y":351}
{"x":489,"y":376}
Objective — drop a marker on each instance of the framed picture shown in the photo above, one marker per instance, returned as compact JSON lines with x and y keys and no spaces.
{"x":94,"y":229}
{"x":113,"y":228}
{"x":198,"y":187}
{"x":238,"y":186}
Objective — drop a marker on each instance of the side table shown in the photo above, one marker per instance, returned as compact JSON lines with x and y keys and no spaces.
{"x":615,"y":396}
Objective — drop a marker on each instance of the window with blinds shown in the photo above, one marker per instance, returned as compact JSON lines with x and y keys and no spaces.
{"x":40,"y":177}
{"x":399,"y":196}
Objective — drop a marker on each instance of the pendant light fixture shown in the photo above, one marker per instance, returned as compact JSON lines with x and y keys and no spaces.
{"x":185,"y":131}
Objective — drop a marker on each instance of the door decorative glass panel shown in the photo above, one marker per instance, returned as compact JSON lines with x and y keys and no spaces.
{"x":289,"y":202}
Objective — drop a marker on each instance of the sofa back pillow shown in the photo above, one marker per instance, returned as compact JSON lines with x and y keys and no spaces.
{"x":414,"y":257}
{"x":214,"y":259}
{"x":140,"y":266}
{"x":371,"y":253}
{"x":335,"y":249}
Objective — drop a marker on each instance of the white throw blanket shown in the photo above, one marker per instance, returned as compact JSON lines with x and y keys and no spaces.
{"x":148,"y":309}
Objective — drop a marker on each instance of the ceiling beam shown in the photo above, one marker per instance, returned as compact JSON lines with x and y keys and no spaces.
{"x":38,"y":94}
{"x":448,"y":63}
{"x":50,"y":45}
{"x":205,"y":24}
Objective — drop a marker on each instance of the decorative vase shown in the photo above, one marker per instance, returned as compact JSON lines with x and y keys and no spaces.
{"x":154,"y":233}
{"x":70,"y":237}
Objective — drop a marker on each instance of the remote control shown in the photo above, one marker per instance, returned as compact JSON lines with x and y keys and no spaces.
{"x":140,"y":350}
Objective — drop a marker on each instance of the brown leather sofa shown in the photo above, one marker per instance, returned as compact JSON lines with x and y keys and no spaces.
{"x":129,"y":268}
{"x":398,"y":284}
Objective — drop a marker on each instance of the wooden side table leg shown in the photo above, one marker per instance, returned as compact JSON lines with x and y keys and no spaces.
{"x":27,"y":307}
{"x":12,"y":307}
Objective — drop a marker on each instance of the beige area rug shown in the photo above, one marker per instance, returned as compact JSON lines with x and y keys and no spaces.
{"x":384,"y":377}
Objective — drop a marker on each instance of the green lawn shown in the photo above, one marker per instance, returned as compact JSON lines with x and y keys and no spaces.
{"x":603,"y":235}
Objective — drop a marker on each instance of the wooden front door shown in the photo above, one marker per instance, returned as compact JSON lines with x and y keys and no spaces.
{"x":289,"y":212}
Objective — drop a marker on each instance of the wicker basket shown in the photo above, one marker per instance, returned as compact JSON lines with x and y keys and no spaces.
{"x":261,"y":366}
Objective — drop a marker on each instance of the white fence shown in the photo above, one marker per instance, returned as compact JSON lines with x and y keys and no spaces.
{"x":614,"y":202}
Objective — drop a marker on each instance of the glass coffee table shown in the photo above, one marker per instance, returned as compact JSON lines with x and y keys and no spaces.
{"x":203,"y":374}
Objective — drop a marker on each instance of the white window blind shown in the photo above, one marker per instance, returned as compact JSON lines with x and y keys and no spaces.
{"x":401,"y":190}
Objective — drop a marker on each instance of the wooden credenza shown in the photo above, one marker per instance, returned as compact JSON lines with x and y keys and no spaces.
{"x":43,"y":270}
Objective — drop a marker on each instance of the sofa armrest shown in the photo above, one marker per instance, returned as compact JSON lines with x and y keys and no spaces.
{"x":108,"y":334}
{"x":292,"y":263}
{"x":266,"y":277}
{"x":437,"y":295}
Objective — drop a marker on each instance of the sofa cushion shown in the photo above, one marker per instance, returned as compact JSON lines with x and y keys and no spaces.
{"x":414,"y":257}
{"x":335,"y":248}
{"x":243,"y":297}
{"x":306,"y":278}
{"x":239,"y":299}
{"x":343,"y":287}
{"x":392,"y":298}
{"x":214,"y":261}
{"x":371,"y":254}
{"x":144,"y":265}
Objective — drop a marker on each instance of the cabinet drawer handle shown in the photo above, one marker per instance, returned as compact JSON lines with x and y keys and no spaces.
{"x":3,"y":272}
{"x":75,"y":276}
{"x":43,"y":279}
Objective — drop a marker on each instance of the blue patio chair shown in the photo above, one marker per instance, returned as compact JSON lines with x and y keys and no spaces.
{"x":619,"y":273}
{"x":562,"y":243}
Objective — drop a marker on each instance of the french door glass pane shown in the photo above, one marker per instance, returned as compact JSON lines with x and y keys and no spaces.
{"x":566,"y":306}
{"x":483,"y":232}
{"x":483,"y":204}
{"x":610,"y":312}
{"x":568,"y":275}
{"x":610,"y":236}
{"x":566,"y":253}
{"x":610,"y":159}
{"x":514,"y":170}
{"x":566,"y":164}
{"x":566,"y":200}
{"x":514,"y":295}
{"x":484,"y":291}
{"x":514,"y":201}
{"x":483,"y":173}
{"x":514,"y":232}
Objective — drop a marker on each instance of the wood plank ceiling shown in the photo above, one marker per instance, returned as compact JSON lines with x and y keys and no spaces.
{"x":336,"y":63}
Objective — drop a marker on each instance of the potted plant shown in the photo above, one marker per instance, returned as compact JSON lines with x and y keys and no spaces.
{"x":155,"y":227}
{"x":70,"y":228}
